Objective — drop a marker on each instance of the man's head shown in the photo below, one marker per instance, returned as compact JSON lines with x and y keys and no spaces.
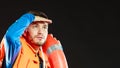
{"x":38,"y":13}
{"x":37,"y":31}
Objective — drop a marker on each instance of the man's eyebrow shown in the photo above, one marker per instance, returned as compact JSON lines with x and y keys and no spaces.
{"x":45,"y":24}
{"x":35,"y":22}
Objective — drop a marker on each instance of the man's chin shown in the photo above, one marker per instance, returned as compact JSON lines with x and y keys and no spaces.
{"x":40,"y":43}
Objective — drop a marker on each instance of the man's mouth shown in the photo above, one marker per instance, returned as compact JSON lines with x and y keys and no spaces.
{"x":40,"y":38}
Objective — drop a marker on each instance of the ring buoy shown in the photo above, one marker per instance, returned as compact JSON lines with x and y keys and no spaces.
{"x":54,"y":51}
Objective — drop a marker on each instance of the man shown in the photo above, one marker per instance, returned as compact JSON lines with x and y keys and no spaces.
{"x":27,"y":44}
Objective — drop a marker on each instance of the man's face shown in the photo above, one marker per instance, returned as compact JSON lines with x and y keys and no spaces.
{"x":37,"y":32}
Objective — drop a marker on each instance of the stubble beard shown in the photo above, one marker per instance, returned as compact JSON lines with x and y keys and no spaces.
{"x":38,"y":42}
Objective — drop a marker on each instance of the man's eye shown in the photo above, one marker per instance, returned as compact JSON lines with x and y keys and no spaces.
{"x":45,"y":27}
{"x":35,"y":26}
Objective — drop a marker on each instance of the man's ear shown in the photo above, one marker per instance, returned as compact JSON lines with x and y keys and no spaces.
{"x":25,"y":33}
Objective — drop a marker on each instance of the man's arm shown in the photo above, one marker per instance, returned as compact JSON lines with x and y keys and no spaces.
{"x":11,"y":39}
{"x":18,"y":27}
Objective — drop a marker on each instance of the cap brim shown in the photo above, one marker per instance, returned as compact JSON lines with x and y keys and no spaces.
{"x":48,"y":21}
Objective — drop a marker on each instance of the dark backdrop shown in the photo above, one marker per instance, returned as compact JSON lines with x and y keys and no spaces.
{"x":88,"y":30}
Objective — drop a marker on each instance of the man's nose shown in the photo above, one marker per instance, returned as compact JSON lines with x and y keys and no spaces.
{"x":40,"y":30}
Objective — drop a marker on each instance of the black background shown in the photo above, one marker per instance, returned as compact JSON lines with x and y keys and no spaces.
{"x":87,"y":29}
